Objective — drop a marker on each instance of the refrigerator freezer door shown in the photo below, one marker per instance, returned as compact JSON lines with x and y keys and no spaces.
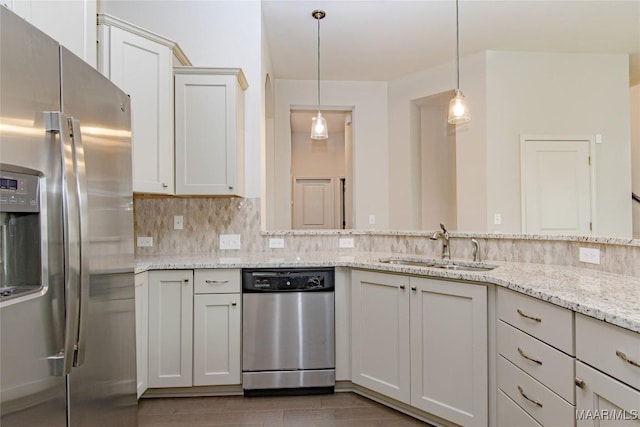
{"x":102,"y":388}
{"x":32,"y":390}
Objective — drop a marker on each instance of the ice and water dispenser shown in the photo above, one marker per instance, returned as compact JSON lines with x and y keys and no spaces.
{"x":20,"y":234}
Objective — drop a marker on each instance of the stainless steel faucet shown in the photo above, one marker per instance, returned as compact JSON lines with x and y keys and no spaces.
{"x":476,"y":250}
{"x":444,"y":236}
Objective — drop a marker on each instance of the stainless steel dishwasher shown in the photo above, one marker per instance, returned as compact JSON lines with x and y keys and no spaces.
{"x":288,"y":331}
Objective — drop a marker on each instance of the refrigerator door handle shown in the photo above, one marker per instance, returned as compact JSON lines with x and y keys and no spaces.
{"x":58,"y":122}
{"x":83,"y":228}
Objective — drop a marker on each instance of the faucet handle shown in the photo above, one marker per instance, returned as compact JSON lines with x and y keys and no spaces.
{"x":442,"y":226}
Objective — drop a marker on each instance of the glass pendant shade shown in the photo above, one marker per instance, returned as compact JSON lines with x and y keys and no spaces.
{"x":319,"y":127}
{"x":458,"y":109}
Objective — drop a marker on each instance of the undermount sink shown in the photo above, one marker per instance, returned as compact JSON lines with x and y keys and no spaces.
{"x":442,"y":264}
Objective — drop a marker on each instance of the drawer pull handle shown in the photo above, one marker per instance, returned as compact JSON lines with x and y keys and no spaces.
{"x":216,"y":282}
{"x":525,"y":315}
{"x":624,"y":357}
{"x":528,"y":357}
{"x":580,"y":383}
{"x":535,"y":402}
{"x":402,"y":287}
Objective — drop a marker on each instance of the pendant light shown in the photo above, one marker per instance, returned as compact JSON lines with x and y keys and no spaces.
{"x":458,"y":108}
{"x":318,"y":123}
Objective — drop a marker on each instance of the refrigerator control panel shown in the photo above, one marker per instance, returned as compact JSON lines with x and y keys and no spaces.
{"x":19,"y":192}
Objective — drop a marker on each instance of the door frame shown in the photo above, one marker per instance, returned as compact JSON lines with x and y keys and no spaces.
{"x":525,"y":138}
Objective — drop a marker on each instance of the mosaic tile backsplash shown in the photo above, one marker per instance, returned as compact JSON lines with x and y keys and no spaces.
{"x":206,"y":218}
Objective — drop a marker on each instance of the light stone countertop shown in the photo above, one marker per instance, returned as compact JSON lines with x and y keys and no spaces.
{"x":613,"y":298}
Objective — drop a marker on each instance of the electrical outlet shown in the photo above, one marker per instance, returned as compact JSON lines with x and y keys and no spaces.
{"x":276,"y":243}
{"x":346,"y":242}
{"x":590,"y":255}
{"x":229,"y":241}
{"x":497,"y":219}
{"x":145,"y":242}
{"x":178,"y":222}
{"x":372,"y":219}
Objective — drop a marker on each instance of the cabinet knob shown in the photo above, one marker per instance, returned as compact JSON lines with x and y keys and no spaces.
{"x":413,"y":288}
{"x":402,"y":287}
{"x":580,"y":383}
{"x":185,"y":281}
{"x":165,"y":185}
{"x":231,"y":187}
{"x":233,"y":304}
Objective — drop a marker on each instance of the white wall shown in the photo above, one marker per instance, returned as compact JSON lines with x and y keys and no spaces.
{"x":635,"y":155}
{"x":223,"y":33}
{"x":370,"y":150}
{"x":404,"y":137}
{"x":558,"y":94}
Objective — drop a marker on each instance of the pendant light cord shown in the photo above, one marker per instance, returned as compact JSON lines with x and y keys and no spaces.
{"x":319,"y":63}
{"x":457,"y":48}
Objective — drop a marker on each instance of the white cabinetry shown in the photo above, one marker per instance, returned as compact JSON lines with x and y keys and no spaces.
{"x":607,"y":391}
{"x":142,"y":331}
{"x":216,"y":327}
{"x":71,"y":23}
{"x":449,"y":350}
{"x":170,"y":328}
{"x":380,"y":333}
{"x":209,"y":130}
{"x":535,"y":363}
{"x":423,"y":342}
{"x":141,"y":63}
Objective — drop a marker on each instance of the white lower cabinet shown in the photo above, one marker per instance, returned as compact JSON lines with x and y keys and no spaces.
{"x":194,"y":327}
{"x":423,"y":342}
{"x":449,"y":350}
{"x":170,"y":328}
{"x":217,"y":330}
{"x":607,"y":374}
{"x":142,"y":331}
{"x":604,"y":401}
{"x":535,"y":361}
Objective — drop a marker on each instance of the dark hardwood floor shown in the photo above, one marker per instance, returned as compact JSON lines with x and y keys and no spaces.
{"x":340,"y":409}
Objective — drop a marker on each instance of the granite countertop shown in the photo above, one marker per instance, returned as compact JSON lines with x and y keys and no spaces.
{"x":613,"y":298}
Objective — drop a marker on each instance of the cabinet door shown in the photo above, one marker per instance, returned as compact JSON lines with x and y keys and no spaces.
{"x":380,"y":333}
{"x":216,"y":339}
{"x":449,"y":350}
{"x":208,"y":134}
{"x":170,"y":328}
{"x":143,"y":69}
{"x":142,"y":330}
{"x":603,"y":401}
{"x":71,"y":23}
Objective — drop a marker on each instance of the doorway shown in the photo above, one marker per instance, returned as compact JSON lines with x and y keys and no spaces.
{"x":321,"y":171}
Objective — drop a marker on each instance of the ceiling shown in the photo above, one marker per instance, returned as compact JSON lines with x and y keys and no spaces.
{"x":381,"y":40}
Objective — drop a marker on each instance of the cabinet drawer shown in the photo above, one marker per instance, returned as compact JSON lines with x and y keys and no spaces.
{"x":545,"y":321}
{"x":511,"y":415}
{"x":551,"y":367}
{"x":545,"y":406}
{"x":216,"y":281}
{"x":606,"y":346}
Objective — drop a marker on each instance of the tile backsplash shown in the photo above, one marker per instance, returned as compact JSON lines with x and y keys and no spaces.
{"x":205,"y":219}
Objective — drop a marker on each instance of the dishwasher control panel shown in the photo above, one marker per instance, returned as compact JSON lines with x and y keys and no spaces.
{"x":288,"y":280}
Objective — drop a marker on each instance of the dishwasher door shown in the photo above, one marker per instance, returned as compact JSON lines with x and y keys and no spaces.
{"x":288,"y":331}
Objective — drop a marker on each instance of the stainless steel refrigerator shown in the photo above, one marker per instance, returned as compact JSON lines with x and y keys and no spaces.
{"x":67,"y":321}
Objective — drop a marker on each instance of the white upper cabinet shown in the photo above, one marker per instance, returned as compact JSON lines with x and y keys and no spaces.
{"x":71,"y":23}
{"x":141,"y":63}
{"x":209,"y":133}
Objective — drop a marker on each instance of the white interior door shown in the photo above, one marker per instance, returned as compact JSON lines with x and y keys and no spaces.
{"x":313,"y":202}
{"x":556,"y":186}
